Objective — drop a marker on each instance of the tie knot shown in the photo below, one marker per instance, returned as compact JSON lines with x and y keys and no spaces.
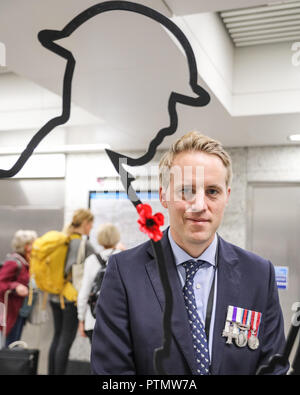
{"x":191,"y":267}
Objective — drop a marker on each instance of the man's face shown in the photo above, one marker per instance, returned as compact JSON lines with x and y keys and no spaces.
{"x":196,"y":198}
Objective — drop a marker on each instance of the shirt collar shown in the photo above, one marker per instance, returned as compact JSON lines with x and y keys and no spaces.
{"x":209,"y":255}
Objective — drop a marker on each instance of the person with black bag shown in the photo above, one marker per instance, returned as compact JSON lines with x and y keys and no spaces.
{"x":14,"y":277}
{"x":108,"y":237}
{"x":15,"y":356}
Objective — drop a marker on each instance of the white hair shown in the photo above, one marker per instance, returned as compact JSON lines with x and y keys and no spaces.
{"x":108,"y":235}
{"x":21,"y":238}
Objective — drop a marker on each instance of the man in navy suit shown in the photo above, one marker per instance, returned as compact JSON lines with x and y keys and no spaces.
{"x":232,"y":294}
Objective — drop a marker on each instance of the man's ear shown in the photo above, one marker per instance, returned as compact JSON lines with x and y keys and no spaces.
{"x":163,"y":197}
{"x":228,"y":194}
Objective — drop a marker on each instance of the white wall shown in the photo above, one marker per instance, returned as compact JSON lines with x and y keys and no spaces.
{"x":250,"y":165}
{"x":266,"y":81}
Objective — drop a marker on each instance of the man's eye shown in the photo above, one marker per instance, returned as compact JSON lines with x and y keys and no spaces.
{"x":212,"y":192}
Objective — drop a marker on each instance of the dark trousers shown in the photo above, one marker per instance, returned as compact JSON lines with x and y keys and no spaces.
{"x":16,"y":331}
{"x":65,"y":329}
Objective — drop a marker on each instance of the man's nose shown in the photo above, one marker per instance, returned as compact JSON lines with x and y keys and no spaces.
{"x":198,"y":203}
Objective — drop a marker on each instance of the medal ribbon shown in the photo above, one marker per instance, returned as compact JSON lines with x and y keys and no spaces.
{"x":254,"y":324}
{"x":229,"y":313}
{"x":257,"y":323}
{"x":245,"y":316}
{"x":251,"y":323}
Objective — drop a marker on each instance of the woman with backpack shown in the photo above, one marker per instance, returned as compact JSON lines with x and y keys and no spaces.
{"x":108,"y":237}
{"x":65,"y":319}
{"x":14,"y":280}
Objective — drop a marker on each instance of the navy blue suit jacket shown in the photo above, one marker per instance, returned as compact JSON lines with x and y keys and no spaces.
{"x":130,"y":309}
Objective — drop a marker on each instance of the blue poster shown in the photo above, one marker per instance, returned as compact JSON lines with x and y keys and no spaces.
{"x":281,"y":276}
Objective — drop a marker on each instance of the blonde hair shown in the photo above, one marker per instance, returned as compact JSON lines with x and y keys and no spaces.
{"x":193,"y":141}
{"x":79,"y":216}
{"x":108,"y":235}
{"x":21,"y":238}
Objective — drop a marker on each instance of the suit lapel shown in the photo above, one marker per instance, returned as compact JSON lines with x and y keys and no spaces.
{"x":228,"y":283}
{"x":180,"y":325}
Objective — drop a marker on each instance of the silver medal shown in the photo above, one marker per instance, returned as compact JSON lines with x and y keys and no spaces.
{"x":241,"y":339}
{"x":230,"y":331}
{"x":253,"y":342}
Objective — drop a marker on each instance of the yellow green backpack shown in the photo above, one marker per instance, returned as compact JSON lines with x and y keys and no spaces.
{"x":47,"y":264}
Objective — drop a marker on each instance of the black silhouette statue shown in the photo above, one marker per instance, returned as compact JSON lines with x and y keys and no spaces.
{"x":48,"y":39}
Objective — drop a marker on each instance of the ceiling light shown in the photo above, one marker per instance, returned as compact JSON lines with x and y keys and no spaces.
{"x":294,"y":137}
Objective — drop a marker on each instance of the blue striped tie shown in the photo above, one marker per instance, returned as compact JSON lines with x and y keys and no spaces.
{"x":197,"y":328}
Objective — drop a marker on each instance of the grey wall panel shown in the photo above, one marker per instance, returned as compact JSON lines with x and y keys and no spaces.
{"x":38,"y":219}
{"x":32,"y":192}
{"x":37,"y":205}
{"x":274,"y":233}
{"x":29,"y":204}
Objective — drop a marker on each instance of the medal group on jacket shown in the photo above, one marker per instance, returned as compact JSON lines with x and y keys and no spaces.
{"x":242,"y":326}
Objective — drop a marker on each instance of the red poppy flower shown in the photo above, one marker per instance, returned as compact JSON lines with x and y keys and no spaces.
{"x":149,"y":223}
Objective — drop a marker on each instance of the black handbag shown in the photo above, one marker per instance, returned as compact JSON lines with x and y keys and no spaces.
{"x":17,"y":360}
